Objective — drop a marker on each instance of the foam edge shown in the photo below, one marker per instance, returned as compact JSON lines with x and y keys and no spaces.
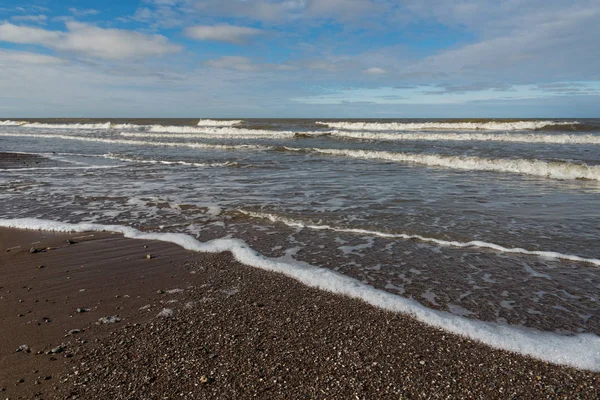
{"x":579,"y":351}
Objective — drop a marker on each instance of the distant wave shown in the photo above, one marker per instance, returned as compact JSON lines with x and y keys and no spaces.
{"x":488,"y":126}
{"x":214,"y":131}
{"x":546,"y":169}
{"x":481,"y":137}
{"x":406,"y":236}
{"x":12,"y":123}
{"x":139,"y":142}
{"x":212,"y":122}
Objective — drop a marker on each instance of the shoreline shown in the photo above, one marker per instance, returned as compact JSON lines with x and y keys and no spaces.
{"x":232,"y":331}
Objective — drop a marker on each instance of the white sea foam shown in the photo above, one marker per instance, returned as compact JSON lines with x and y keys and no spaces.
{"x":188,"y":132}
{"x":400,"y":126}
{"x":12,"y":123}
{"x":406,"y":236}
{"x":38,"y":125}
{"x":547,"y":169}
{"x":59,"y":168}
{"x":212,"y":122}
{"x":480,"y":137}
{"x":138,"y":142}
{"x":169,"y":162}
{"x":579,"y":351}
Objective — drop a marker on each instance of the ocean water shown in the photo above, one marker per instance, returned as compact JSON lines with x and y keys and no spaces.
{"x":493,"y":222}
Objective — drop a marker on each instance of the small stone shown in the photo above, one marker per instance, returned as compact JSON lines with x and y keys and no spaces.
{"x":33,"y":250}
{"x":69,"y":241}
{"x":20,"y":315}
{"x":112,"y":319}
{"x":82,"y":310}
{"x":148,"y":256}
{"x":56,"y":350}
{"x":204,"y":379}
{"x":160,"y":291}
{"x":21,"y":380}
{"x":41,"y":267}
{"x":73,"y":332}
{"x":422,"y":362}
{"x":47,"y":378}
{"x":24,"y":348}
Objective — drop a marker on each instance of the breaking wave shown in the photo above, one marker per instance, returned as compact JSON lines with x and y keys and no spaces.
{"x":411,"y":126}
{"x":212,"y":122}
{"x":546,"y":169}
{"x":140,"y":142}
{"x":480,"y":137}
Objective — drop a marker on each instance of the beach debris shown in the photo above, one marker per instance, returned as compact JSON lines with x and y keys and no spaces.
{"x":73,"y":332}
{"x":56,"y":350}
{"x":166,"y":312}
{"x":24,"y":349}
{"x":149,"y":256}
{"x":82,"y":310}
{"x":111,"y":319}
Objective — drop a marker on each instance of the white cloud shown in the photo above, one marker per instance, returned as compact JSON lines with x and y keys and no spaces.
{"x":237,"y":63}
{"x":83,"y":13}
{"x":284,"y":10}
{"x":89,"y":40}
{"x":375,"y":71}
{"x":30,"y":18}
{"x":223,"y":33}
{"x":15,"y":58}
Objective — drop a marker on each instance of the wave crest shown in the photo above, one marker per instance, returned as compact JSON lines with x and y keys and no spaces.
{"x":423,"y":126}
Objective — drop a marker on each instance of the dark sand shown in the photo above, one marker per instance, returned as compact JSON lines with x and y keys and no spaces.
{"x":235,"y":332}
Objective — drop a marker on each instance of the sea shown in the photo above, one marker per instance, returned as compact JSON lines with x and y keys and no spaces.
{"x":488,"y":228}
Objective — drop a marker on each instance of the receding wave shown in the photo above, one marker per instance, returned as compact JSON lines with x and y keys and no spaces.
{"x":140,"y":142}
{"x":406,"y":236}
{"x":574,"y":350}
{"x":213,"y":122}
{"x":546,"y":169}
{"x":480,"y":137}
{"x":169,"y":162}
{"x":488,"y":126}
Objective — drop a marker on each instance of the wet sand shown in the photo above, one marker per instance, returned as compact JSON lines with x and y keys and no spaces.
{"x":204,"y":326}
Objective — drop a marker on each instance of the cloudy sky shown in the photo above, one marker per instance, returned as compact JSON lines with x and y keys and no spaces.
{"x":300,"y":58}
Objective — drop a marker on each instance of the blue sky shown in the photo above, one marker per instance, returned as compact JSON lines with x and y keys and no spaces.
{"x":300,"y":58}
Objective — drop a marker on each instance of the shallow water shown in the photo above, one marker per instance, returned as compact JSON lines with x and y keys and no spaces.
{"x":443,"y":212}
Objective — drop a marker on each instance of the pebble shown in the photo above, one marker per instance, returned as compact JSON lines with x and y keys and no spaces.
{"x":112,"y":319}
{"x":82,"y":310}
{"x":56,"y":350}
{"x":148,"y":256}
{"x":41,"y":267}
{"x":33,"y":250}
{"x":24,"y":348}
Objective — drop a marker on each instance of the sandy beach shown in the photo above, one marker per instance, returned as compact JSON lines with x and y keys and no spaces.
{"x":204,"y":326}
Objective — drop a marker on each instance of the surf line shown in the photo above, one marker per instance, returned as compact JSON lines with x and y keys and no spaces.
{"x":579,"y":351}
{"x":447,"y":243}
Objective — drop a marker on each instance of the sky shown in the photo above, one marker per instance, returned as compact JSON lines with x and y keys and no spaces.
{"x":300,"y":58}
